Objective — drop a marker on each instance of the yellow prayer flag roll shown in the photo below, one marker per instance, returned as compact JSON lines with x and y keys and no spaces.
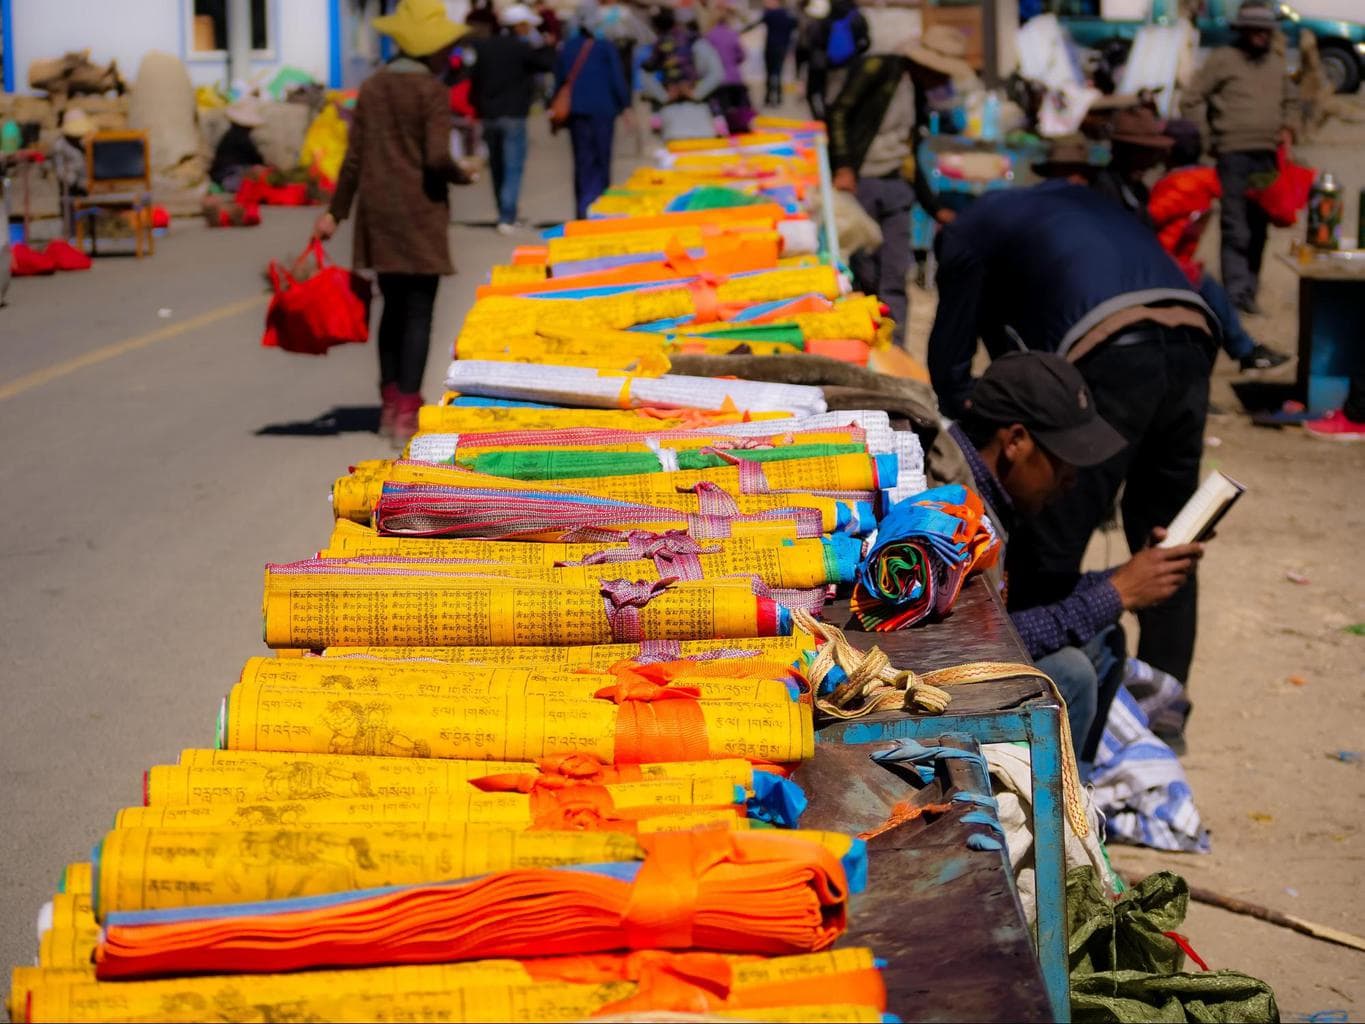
{"x":68,"y":946}
{"x":439,"y":991}
{"x":515,"y":727}
{"x":251,"y":777}
{"x":351,"y":538}
{"x":324,"y":610}
{"x":155,"y":868}
{"x":852,"y":472}
{"x":599,"y":656}
{"x":801,"y":565}
{"x":24,"y":980}
{"x":436,"y":813}
{"x":358,"y":679}
{"x":242,"y":777}
{"x":447,"y":419}
{"x":237,"y":997}
{"x":76,"y":878}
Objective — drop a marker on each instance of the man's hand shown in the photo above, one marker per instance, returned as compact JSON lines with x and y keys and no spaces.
{"x":945,"y":216}
{"x":325,"y":227}
{"x":846,"y":180}
{"x":1154,"y":574}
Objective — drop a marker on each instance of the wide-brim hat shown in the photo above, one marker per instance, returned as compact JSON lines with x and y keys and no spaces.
{"x":519,"y":14}
{"x":942,"y":49}
{"x":77,"y":123}
{"x":420,"y":27}
{"x":245,"y":112}
{"x":1066,"y":154}
{"x":1255,"y":15}
{"x":1140,"y":127}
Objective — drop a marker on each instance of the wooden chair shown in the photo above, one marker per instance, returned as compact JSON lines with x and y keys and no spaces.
{"x":119,"y":171}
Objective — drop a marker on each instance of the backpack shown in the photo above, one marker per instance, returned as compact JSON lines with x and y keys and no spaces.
{"x":841,"y":47}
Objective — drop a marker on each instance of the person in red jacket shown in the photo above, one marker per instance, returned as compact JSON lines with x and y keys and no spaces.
{"x":1180,"y":208}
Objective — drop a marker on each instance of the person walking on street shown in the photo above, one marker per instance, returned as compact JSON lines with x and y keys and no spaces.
{"x":839,"y":34}
{"x":873,"y":124}
{"x":504,"y":84}
{"x":1058,"y":267}
{"x":780,"y":26}
{"x":591,"y":68}
{"x":396,"y":172}
{"x":1251,"y":109}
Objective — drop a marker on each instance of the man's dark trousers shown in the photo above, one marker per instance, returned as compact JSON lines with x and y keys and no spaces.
{"x":1243,"y":223}
{"x":888,"y":201}
{"x":1152,"y":384}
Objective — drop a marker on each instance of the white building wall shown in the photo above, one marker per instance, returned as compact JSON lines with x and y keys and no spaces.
{"x":124,"y":30}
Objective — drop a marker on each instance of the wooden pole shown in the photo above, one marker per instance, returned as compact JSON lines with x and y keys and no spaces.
{"x":1275,"y":917}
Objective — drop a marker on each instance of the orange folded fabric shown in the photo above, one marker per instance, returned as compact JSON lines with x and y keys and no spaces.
{"x":752,"y":892}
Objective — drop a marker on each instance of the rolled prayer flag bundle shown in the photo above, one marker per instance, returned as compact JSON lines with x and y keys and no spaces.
{"x":315,"y":609}
{"x":756,"y":680}
{"x":752,"y":892}
{"x":658,"y":980}
{"x":153,"y":868}
{"x":515,"y":728}
{"x":598,"y":656}
{"x":583,"y":387}
{"x":800,"y":565}
{"x":514,"y":513}
{"x":444,"y":418}
{"x":926,"y":548}
{"x":584,"y":811}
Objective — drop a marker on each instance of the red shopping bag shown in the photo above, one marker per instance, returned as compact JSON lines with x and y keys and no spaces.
{"x":1287,"y":194}
{"x":330,"y":308}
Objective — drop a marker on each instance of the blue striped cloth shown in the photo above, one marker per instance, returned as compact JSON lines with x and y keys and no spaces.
{"x":1138,"y":782}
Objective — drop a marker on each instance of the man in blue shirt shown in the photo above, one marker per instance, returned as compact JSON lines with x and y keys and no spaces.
{"x":1060,"y":268}
{"x":1030,"y":427}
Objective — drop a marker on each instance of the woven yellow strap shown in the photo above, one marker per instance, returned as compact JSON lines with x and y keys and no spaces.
{"x":872,"y":684}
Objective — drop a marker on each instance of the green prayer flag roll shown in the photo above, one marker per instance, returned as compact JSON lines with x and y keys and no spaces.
{"x":550,"y":464}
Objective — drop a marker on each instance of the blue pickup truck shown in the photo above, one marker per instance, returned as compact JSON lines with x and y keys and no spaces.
{"x":1340,"y":42}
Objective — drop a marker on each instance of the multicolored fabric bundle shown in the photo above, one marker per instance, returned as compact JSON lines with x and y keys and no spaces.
{"x":925,"y":549}
{"x":524,"y":750}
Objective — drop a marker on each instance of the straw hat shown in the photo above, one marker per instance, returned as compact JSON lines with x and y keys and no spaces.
{"x":1255,"y":15}
{"x":420,"y":27}
{"x":246,"y":112}
{"x":519,"y":14}
{"x":77,"y":123}
{"x":1140,"y":127}
{"x":1065,"y":155}
{"x":942,"y":49}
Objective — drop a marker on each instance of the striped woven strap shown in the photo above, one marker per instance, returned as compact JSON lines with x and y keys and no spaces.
{"x":623,"y":599}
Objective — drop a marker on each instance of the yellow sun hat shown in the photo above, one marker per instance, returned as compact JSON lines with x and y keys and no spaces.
{"x":420,"y":27}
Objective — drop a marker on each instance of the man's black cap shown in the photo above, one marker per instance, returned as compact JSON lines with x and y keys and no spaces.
{"x":1047,"y":396}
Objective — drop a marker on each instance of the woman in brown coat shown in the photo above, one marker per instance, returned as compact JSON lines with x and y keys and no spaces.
{"x":397,"y":167}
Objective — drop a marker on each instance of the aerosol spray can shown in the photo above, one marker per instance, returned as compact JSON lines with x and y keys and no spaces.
{"x":1324,"y":213}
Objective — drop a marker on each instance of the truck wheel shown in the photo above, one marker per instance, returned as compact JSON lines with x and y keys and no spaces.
{"x":1340,"y":66}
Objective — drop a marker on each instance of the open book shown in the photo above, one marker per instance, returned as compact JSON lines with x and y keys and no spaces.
{"x":1201,"y":513}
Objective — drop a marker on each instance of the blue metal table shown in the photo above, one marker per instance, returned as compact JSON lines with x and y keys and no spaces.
{"x":998,"y":712}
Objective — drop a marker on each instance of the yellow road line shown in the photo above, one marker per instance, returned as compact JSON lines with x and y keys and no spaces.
{"x":118,"y":348}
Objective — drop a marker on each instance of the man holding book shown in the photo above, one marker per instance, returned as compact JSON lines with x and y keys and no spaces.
{"x":1030,"y":425}
{"x":1060,"y":268}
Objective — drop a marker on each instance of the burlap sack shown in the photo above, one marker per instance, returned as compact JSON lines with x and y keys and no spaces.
{"x":163,"y":107}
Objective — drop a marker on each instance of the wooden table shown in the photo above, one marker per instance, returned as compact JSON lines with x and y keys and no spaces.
{"x":1021,"y":708}
{"x":1331,"y":350}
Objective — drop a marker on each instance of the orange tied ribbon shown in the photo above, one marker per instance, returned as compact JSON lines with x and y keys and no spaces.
{"x":627,"y":689}
{"x":558,"y":773}
{"x":667,"y":730}
{"x":663,"y":901}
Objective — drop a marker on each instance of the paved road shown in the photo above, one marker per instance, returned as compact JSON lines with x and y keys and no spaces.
{"x":151,"y":465}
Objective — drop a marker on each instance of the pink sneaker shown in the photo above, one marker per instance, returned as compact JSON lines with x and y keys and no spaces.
{"x":1335,"y":427}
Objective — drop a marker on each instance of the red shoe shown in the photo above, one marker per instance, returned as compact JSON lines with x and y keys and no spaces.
{"x":388,"y":409}
{"x":1336,"y":427}
{"x":405,"y":419}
